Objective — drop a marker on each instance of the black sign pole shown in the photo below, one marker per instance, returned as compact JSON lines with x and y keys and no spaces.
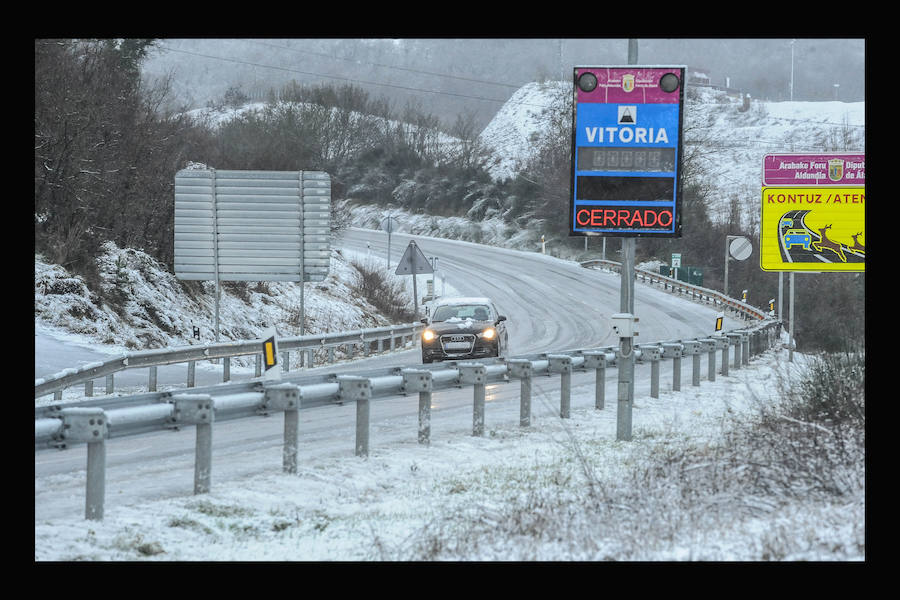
{"x":412,"y":267}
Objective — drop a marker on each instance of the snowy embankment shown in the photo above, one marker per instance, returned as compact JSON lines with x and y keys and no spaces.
{"x":143,"y":306}
{"x":560,"y":490}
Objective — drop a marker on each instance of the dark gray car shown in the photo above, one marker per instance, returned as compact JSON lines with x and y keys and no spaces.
{"x":464,"y":328}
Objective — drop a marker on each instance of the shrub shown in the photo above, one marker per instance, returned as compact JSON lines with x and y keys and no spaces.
{"x":383,"y":292}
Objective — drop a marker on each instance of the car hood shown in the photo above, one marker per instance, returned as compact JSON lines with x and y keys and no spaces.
{"x":459,"y":326}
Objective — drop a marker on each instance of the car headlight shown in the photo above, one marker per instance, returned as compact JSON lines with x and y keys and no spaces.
{"x":489,"y":333}
{"x":428,"y":335}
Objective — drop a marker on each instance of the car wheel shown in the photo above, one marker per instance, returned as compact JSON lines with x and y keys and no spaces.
{"x":425,"y":361}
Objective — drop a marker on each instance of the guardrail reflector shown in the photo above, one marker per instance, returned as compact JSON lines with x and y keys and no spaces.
{"x":269,"y":354}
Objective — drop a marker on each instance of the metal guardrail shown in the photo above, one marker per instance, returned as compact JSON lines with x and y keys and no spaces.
{"x":694,"y":292}
{"x":93,"y":422}
{"x":56,"y":383}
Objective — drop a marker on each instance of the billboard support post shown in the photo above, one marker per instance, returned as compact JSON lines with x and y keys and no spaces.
{"x":626,"y":170}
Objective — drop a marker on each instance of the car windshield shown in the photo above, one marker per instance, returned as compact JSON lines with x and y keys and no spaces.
{"x":477,"y":312}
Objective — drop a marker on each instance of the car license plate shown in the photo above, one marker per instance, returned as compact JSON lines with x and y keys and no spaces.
{"x":456,"y":345}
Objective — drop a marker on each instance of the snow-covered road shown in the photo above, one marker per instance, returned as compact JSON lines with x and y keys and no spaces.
{"x":552,"y":305}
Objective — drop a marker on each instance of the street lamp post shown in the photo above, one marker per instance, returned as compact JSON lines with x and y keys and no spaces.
{"x":792,"y":69}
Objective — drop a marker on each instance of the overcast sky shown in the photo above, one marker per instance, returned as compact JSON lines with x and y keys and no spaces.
{"x":447,"y":76}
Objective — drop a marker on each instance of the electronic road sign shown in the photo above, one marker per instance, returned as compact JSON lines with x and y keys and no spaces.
{"x":626,"y":151}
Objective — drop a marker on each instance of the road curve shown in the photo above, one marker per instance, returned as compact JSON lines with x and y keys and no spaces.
{"x":551,"y":304}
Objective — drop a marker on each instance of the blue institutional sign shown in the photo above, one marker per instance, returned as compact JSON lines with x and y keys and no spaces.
{"x":626,"y":151}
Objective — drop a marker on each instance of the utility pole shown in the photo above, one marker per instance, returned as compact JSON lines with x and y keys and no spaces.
{"x":625,"y":360}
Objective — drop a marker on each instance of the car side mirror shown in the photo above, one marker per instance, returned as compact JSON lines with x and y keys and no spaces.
{"x":425,"y":320}
{"x":501,"y":318}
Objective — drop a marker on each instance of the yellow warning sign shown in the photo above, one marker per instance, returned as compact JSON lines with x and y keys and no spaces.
{"x":818,"y":229}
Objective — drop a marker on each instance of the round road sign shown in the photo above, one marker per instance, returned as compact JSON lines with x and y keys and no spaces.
{"x":388,"y":223}
{"x":740,"y":248}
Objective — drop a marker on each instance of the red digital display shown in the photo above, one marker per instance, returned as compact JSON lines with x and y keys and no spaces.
{"x":625,"y":217}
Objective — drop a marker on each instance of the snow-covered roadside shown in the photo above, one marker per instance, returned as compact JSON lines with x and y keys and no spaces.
{"x":514,"y":494}
{"x":154,"y":311}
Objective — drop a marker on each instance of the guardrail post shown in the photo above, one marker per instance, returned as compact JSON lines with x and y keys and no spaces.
{"x":745,"y":344}
{"x":226,"y":369}
{"x":89,"y":388}
{"x":198,"y":410}
{"x":735,"y":340}
{"x":475,"y":374}
{"x":598,"y":360}
{"x":673,"y":351}
{"x":419,"y":380}
{"x":723,"y":344}
{"x":286,"y":398}
{"x":258,"y":369}
{"x":692,"y":348}
{"x":709,"y":345}
{"x":521,"y":368}
{"x":90,"y":425}
{"x":110,"y":384}
{"x":151,"y":385}
{"x":562,"y":364}
{"x":653,"y":354}
{"x":192,"y":369}
{"x":359,"y":390}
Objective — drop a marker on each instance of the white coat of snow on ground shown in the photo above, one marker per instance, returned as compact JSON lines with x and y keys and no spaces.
{"x":409,"y":501}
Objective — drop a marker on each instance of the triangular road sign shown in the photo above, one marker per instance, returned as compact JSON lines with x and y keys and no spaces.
{"x":413,"y":262}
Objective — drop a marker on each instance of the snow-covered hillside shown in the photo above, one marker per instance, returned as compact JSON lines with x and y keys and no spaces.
{"x":731,"y":143}
{"x":521,"y":123}
{"x":144,"y":306}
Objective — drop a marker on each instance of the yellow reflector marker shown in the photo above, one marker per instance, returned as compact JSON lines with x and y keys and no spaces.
{"x":269,"y":347}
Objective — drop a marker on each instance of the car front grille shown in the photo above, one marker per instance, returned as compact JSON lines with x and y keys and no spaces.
{"x":457,"y":343}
